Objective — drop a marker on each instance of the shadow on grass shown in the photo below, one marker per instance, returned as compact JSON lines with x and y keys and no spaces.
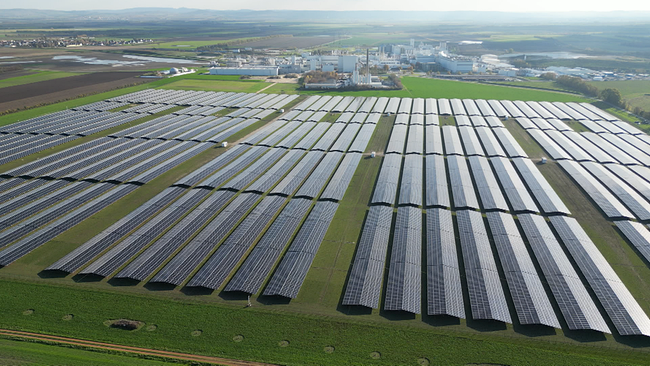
{"x":440,"y":320}
{"x":233,"y":295}
{"x":585,"y":335}
{"x":635,"y":341}
{"x":159,"y":286}
{"x":396,"y":315}
{"x":273,"y":300}
{"x":533,"y":330}
{"x":486,"y":325}
{"x":121,"y":282}
{"x":87,"y":278}
{"x":52,"y":273}
{"x":196,"y":291}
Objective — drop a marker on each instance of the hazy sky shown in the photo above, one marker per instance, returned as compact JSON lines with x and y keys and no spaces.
{"x":502,"y":5}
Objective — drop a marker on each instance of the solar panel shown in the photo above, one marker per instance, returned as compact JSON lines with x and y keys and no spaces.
{"x":541,"y":190}
{"x":634,"y":201}
{"x":623,"y":310}
{"x":148,"y":262}
{"x":513,"y":186}
{"x":415,"y":141}
{"x":403,"y":288}
{"x":320,"y":176}
{"x":437,"y":190}
{"x":470,"y":141}
{"x":215,"y":271}
{"x":397,"y":140}
{"x":460,"y":180}
{"x":251,"y":275}
{"x":487,"y":185}
{"x":490,"y":142}
{"x":433,"y":140}
{"x":610,"y":206}
{"x":444,"y":290}
{"x":179,"y":268}
{"x":452,"y":141}
{"x":386,"y":186}
{"x":411,"y":182}
{"x":338,"y":185}
{"x":292,"y":270}
{"x":510,"y":145}
{"x":131,"y":245}
{"x":528,"y":294}
{"x":486,"y":297}
{"x":364,"y":283}
{"x":571,"y":296}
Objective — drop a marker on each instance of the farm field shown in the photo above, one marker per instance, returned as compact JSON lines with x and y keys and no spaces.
{"x":290,"y":42}
{"x":316,"y":328}
{"x":71,"y":87}
{"x":33,"y":78}
{"x":634,"y":92}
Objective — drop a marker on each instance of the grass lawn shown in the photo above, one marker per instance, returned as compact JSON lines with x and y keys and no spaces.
{"x":635,"y":92}
{"x":248,"y":86}
{"x":283,"y":88}
{"x":547,"y":85}
{"x":262,"y":330}
{"x":14,"y":352}
{"x":414,"y":87}
{"x":33,"y":78}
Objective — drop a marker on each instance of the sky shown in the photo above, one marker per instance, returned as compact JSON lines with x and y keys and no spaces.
{"x":413,"y":5}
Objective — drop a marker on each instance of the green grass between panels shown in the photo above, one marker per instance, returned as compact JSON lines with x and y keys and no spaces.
{"x":262,"y":331}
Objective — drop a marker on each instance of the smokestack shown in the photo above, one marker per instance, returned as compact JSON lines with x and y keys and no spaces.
{"x":368,"y":64}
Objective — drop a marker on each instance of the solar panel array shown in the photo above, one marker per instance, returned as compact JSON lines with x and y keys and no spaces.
{"x":260,"y":210}
{"x":624,"y":312}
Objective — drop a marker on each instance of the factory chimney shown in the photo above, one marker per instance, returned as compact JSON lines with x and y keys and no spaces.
{"x":368,"y":64}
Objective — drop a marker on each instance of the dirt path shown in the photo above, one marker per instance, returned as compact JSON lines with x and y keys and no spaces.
{"x":128,"y":349}
{"x":266,"y":87}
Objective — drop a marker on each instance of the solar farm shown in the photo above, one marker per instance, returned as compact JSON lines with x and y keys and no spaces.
{"x":461,"y":223}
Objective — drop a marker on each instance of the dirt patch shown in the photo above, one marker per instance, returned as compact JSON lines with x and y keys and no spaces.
{"x":151,"y":327}
{"x":328,"y":349}
{"x":196,"y":333}
{"x":68,"y":317}
{"x":238,"y":338}
{"x":28,"y":312}
{"x":375,"y":355}
{"x":51,"y":91}
{"x":284,"y":343}
{"x":125,"y":324}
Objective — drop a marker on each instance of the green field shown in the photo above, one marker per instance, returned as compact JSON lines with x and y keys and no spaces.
{"x":635,"y":92}
{"x":245,"y":86}
{"x":33,"y":78}
{"x":414,"y":87}
{"x":30,"y":353}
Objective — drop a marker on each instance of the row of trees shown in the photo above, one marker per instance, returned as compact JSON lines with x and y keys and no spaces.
{"x":395,"y":80}
{"x":609,"y":95}
{"x":318,"y":77}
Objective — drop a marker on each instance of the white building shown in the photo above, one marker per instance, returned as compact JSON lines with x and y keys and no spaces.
{"x":347,"y":63}
{"x":249,"y":70}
